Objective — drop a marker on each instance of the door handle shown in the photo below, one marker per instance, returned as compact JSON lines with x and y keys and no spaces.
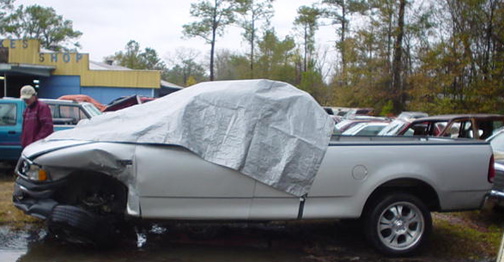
{"x":11,"y":132}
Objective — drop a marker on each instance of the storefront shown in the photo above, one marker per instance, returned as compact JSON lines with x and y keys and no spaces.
{"x":55,"y":74}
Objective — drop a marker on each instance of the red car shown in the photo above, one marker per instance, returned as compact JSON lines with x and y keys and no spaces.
{"x":474,"y":126}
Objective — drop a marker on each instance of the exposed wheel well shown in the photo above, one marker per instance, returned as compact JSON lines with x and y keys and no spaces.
{"x":93,"y":191}
{"x":416,"y":187}
{"x":91,"y":209}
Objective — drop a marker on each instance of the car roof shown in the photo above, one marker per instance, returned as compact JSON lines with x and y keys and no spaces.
{"x":56,"y":101}
{"x":372,"y":123}
{"x":360,"y":126}
{"x":11,"y":98}
{"x":407,"y":115}
{"x":50,"y":100}
{"x":457,"y":116}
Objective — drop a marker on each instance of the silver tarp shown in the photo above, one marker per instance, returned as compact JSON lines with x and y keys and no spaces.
{"x":267,"y":130}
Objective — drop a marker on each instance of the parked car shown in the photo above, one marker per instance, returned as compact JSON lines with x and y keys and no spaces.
{"x":412,"y":115}
{"x":497,"y":143}
{"x":399,"y":123}
{"x":345,"y":124}
{"x":365,"y":129}
{"x":352,"y":113}
{"x":65,"y":115}
{"x":330,"y":112}
{"x":339,"y":113}
{"x":126,"y":101}
{"x":497,"y":192}
{"x":473,"y":126}
{"x":83,"y":98}
{"x":251,"y":150}
{"x":69,"y":113}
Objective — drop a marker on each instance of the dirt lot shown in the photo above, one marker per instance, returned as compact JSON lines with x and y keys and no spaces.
{"x":464,"y":236}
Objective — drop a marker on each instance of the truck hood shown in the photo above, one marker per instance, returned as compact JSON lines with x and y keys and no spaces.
{"x":42,"y":147}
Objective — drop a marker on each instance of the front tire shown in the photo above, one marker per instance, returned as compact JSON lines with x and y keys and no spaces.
{"x":90,"y":213}
{"x":78,"y":226}
{"x":397,"y":224}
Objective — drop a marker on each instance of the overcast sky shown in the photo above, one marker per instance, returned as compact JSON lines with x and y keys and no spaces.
{"x":108,"y":25}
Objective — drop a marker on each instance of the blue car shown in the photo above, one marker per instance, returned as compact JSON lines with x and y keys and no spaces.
{"x":65,"y":114}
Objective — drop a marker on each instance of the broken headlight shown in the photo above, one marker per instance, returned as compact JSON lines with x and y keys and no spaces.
{"x":32,"y":171}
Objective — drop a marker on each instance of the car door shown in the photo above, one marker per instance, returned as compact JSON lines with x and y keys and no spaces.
{"x":174,"y":183}
{"x":269,"y":203}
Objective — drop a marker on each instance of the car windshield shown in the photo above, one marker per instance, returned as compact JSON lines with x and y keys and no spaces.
{"x":354,"y":129}
{"x":365,"y":129}
{"x":92,"y":110}
{"x":342,"y":124}
{"x":393,"y":128}
{"x":371,"y":130}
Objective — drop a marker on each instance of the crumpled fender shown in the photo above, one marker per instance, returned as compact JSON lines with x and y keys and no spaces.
{"x":113,"y":159}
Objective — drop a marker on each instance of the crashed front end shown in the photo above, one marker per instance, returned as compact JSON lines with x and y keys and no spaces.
{"x":74,"y":173}
{"x":34,"y":189}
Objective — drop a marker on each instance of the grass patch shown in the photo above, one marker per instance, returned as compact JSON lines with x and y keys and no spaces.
{"x":473,"y":235}
{"x":9,"y":215}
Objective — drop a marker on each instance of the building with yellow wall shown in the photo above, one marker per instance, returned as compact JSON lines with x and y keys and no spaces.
{"x":63,"y":73}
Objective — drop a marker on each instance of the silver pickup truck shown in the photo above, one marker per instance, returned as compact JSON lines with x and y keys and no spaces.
{"x":85,"y":186}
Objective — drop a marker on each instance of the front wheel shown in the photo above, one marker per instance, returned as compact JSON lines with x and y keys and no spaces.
{"x":397,"y":224}
{"x":78,"y":226}
{"x":91,"y":212}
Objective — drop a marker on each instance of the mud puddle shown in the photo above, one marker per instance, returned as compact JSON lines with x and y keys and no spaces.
{"x":307,"y":242}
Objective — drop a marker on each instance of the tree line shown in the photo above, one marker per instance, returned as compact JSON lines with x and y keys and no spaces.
{"x":443,"y":56}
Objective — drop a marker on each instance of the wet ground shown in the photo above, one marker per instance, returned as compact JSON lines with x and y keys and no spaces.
{"x":318,"y":242}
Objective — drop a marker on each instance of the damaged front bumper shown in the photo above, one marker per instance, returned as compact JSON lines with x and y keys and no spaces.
{"x":35,"y":198}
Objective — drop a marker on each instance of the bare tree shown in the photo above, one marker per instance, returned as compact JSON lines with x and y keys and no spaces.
{"x":213,"y":18}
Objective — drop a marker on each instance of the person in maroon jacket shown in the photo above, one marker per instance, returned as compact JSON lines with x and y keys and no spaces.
{"x":37,"y":119}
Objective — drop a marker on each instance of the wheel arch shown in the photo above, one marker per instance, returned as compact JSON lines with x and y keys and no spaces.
{"x":425,"y":192}
{"x":79,"y":181}
{"x":91,"y":209}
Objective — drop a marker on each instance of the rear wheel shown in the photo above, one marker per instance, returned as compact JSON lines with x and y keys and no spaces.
{"x":397,"y":224}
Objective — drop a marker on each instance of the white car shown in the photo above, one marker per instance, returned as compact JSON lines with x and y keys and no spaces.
{"x":365,"y":129}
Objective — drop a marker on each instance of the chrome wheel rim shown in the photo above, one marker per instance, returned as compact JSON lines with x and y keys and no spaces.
{"x":401,"y":226}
